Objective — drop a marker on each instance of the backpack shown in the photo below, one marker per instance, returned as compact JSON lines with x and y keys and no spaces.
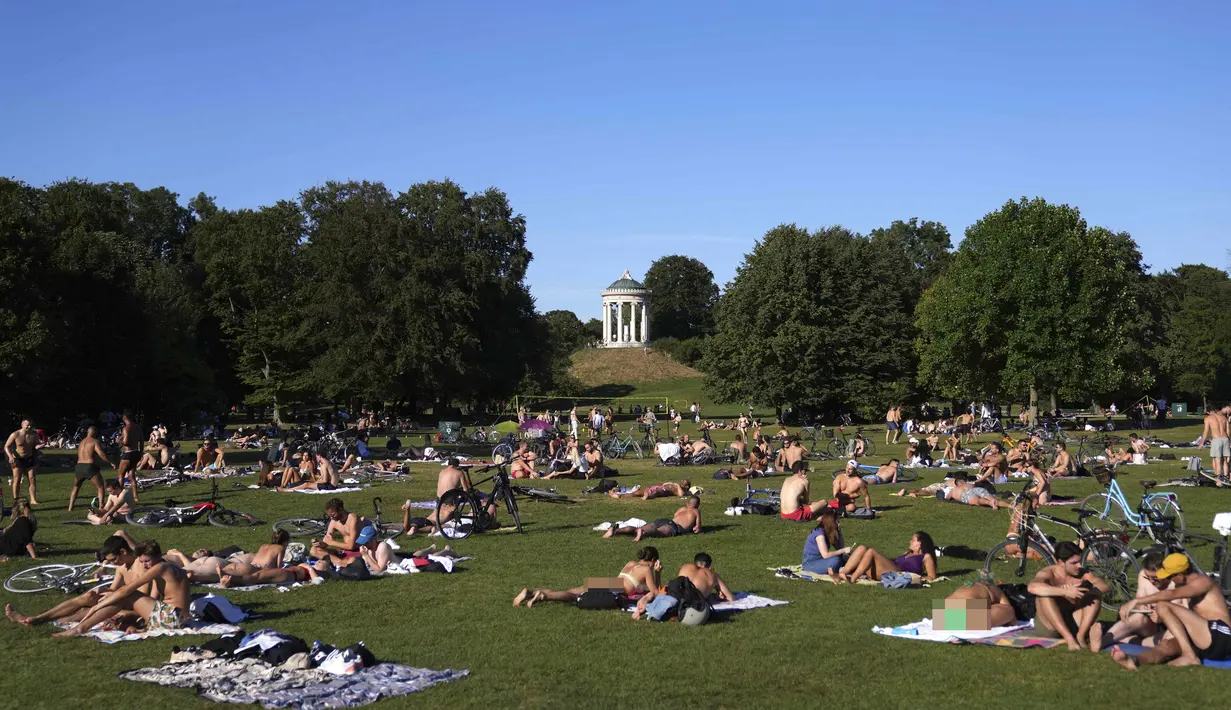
{"x":1021,"y":600}
{"x":861,"y":514}
{"x":356,"y":571}
{"x":598,"y":599}
{"x":896,"y":580}
{"x":603,"y":486}
{"x":688,"y":595}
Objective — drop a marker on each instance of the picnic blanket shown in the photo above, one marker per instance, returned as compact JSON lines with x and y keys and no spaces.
{"x":425,"y":504}
{"x":798,"y":572}
{"x":923,"y":631}
{"x":318,"y":492}
{"x":1133,"y":649}
{"x":406,"y":566}
{"x":255,"y":587}
{"x":192,"y":628}
{"x":251,"y":681}
{"x":630,"y":523}
{"x":743,"y":602}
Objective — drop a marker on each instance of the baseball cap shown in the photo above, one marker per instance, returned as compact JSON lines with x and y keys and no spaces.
{"x":852,"y":462}
{"x":365,"y":535}
{"x":913,"y":440}
{"x":1173,"y":564}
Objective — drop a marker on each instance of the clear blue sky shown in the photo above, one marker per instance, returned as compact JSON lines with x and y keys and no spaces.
{"x":626,"y":131}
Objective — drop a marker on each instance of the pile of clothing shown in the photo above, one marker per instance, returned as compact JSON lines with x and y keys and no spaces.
{"x":278,"y":670}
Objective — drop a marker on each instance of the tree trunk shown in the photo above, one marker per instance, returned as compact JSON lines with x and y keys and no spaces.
{"x":265,"y":373}
{"x":1034,"y":406}
{"x":1053,"y":401}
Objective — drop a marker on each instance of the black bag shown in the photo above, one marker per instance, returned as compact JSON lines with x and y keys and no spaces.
{"x":1021,"y":600}
{"x":1166,"y":457}
{"x":356,"y":571}
{"x":861,"y":514}
{"x":603,"y":486}
{"x":688,"y":595}
{"x":598,"y":599}
{"x":223,"y":645}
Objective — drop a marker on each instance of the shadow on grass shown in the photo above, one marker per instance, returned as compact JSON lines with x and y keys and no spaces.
{"x":609,"y":390}
{"x":256,"y":614}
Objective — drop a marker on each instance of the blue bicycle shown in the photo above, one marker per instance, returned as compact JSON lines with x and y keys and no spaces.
{"x":1112,"y":511}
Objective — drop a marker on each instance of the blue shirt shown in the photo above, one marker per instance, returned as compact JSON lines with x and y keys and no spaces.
{"x":812,"y":552}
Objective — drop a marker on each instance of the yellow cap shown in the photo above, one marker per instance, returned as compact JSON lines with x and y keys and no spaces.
{"x":1173,"y":564}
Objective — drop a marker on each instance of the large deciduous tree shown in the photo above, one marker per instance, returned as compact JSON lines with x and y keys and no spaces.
{"x":1194,"y":354}
{"x":684,"y":297}
{"x":1036,"y":301}
{"x":820,"y":319}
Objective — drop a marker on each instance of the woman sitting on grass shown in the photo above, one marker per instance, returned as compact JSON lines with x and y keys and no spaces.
{"x":865,"y":562}
{"x":639,"y":577}
{"x":824,"y":550}
{"x":18,"y":537}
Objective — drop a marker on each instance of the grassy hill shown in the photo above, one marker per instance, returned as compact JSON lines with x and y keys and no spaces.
{"x":599,"y":366}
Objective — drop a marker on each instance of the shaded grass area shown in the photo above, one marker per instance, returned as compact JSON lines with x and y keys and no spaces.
{"x":817,"y":649}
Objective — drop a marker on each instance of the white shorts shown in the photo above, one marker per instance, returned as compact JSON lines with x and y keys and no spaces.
{"x":1220,"y":448}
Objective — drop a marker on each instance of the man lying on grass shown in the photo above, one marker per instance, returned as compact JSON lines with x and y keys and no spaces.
{"x":1196,"y":634}
{"x":686,"y":520}
{"x":159,"y":594}
{"x":963,"y":492}
{"x":204,"y":567}
{"x":1067,"y":597}
{"x":667,"y":489}
{"x":887,"y":473}
{"x":114,"y":551}
{"x":657,"y":606}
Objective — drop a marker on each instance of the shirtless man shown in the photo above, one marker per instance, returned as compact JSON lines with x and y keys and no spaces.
{"x":1215,"y":433}
{"x":159,"y":594}
{"x":22,"y":452}
{"x":700,"y":572}
{"x":953,"y":446}
{"x":993,"y":468}
{"x":209,"y":456}
{"x":666,"y":489}
{"x":344,"y":534}
{"x":796,"y":496}
{"x":1199,"y":633}
{"x":686,"y":520}
{"x":1140,"y":449}
{"x":885,"y":474}
{"x":791,"y":453}
{"x":1141,"y":624}
{"x":893,"y":424}
{"x":739,"y":448}
{"x":965,"y":426}
{"x":848,"y":485}
{"x":700,"y":446}
{"x":963,"y":492}
{"x":116,"y":506}
{"x":130,"y":452}
{"x":523,"y":463}
{"x":89,"y":453}
{"x":114,"y":551}
{"x":1067,"y":597}
{"x":450,"y":477}
{"x":1063,"y":465}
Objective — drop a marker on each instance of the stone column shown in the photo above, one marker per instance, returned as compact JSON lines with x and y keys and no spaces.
{"x":606,"y":322}
{"x":619,"y":321}
{"x":645,"y":322}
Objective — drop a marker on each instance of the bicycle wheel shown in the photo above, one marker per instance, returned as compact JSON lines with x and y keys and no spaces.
{"x":547,"y":495}
{"x":388,"y":531}
{"x":637,"y":450}
{"x":40,"y":578}
{"x":224,"y":518}
{"x":511,"y":504}
{"x":1101,"y":512}
{"x":1114,"y":563}
{"x":1167,"y":508}
{"x":456,"y":514}
{"x":869,"y":447}
{"x":907,"y":475}
{"x":302,"y":527}
{"x":1003,"y":566}
{"x":837,"y":448}
{"x":502,"y":452}
{"x":151,"y":516}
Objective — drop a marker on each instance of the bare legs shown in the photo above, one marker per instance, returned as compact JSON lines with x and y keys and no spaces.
{"x":1052,"y":611}
{"x":29,"y":474}
{"x":98,"y":486}
{"x":74,"y":609}
{"x":546,"y":595}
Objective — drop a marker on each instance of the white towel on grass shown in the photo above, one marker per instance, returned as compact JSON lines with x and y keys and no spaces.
{"x":743,"y":602}
{"x":922,"y":631}
{"x":630,"y":523}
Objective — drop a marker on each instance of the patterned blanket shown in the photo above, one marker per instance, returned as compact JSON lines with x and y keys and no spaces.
{"x":250,"y":681}
{"x":192,"y":628}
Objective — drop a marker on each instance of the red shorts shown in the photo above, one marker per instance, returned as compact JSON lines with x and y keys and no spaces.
{"x":801,"y":514}
{"x":350,"y":553}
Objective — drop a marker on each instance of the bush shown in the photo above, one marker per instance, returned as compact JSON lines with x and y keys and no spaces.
{"x":686,"y":352}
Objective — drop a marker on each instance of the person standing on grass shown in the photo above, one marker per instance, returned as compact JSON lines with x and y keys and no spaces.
{"x":1068,"y":597}
{"x":89,"y":454}
{"x":21,"y":448}
{"x":1215,"y":433}
{"x":893,"y":422}
{"x":130,"y":452}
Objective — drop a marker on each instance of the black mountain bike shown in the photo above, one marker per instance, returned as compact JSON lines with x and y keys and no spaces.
{"x":464,"y":510}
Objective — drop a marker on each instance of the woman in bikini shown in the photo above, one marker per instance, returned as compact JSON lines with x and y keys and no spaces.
{"x":639,"y":576}
{"x":919,"y":558}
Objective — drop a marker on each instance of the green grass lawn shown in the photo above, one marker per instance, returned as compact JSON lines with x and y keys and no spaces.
{"x":817,"y":650}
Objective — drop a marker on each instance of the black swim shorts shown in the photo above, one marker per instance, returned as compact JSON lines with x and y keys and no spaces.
{"x":86,"y":471}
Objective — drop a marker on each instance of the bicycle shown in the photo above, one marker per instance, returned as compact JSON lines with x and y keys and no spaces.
{"x":464,"y":510}
{"x":158,"y":516}
{"x":1112,"y":508}
{"x":839,"y":446}
{"x":649,"y":439}
{"x":69,"y":579}
{"x":1171,"y":539}
{"x":1104,"y":554}
{"x":617,"y":447}
{"x":306,"y":527}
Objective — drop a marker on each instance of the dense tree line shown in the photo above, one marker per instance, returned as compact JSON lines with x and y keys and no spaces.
{"x":1033,"y":303}
{"x":112,"y":296}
